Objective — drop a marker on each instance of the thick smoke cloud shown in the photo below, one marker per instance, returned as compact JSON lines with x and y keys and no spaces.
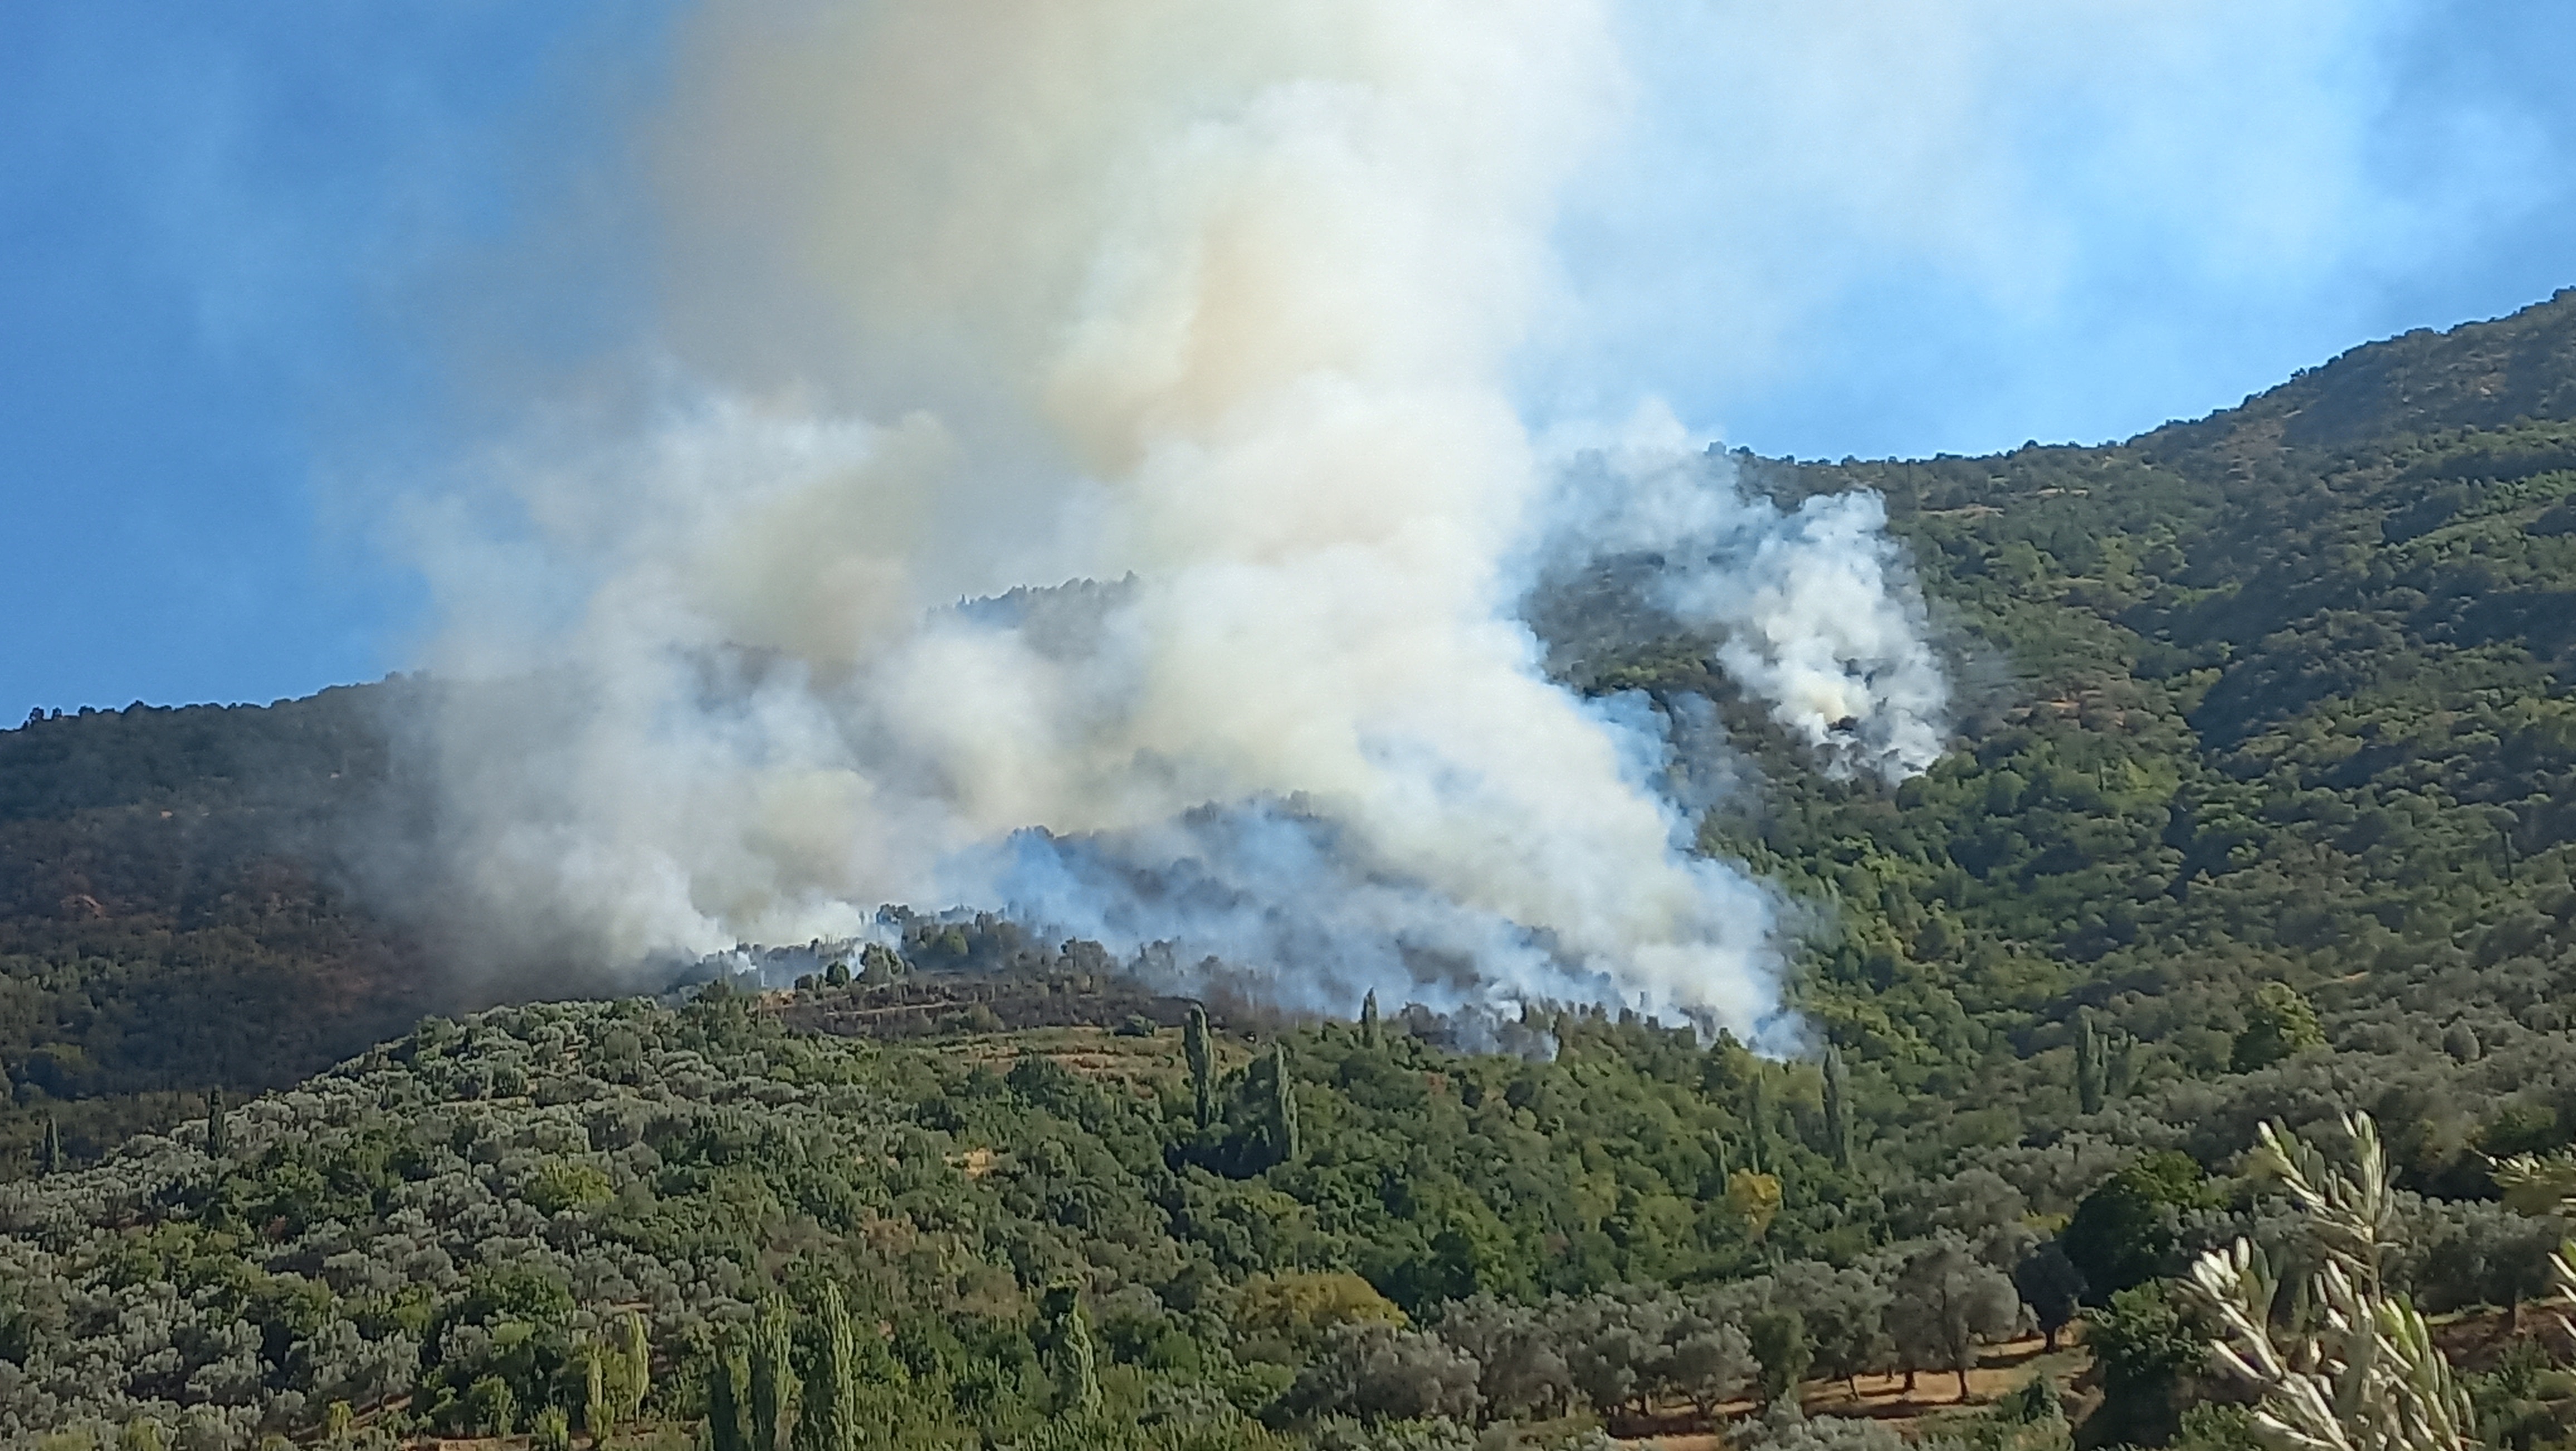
{"x":1218,"y":303}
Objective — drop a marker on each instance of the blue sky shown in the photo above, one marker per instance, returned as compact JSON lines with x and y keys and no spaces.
{"x":255,"y":260}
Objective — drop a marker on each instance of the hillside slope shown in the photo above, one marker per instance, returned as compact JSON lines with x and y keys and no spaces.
{"x":2281,"y":694}
{"x":2268,"y":701}
{"x":2261,"y":809}
{"x":173,"y":914}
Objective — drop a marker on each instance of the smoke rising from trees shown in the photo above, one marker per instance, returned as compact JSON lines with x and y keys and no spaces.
{"x":1221,"y":304}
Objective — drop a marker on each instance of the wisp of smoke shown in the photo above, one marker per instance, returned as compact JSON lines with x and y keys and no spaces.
{"x":1214,"y":306}
{"x":1812,"y":609}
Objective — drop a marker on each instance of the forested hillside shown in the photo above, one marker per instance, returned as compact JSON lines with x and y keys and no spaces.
{"x":2287,"y":696}
{"x":2263,"y":806}
{"x":177,"y":910}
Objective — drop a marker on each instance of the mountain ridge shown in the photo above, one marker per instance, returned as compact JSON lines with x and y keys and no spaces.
{"x":2483,"y":374}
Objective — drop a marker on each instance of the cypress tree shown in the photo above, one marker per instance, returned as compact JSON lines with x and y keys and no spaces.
{"x":2090,"y":1070}
{"x":218,"y":1139}
{"x":598,"y":1417}
{"x":1283,"y":1102}
{"x":1202,"y":1056}
{"x":773,"y":1378}
{"x":1077,"y":1362}
{"x":636,"y":1349}
{"x":728,"y":1382}
{"x":1368,"y":1019}
{"x":49,"y":1156}
{"x":831,"y":1418}
{"x":1837,"y":1110}
{"x":1757,"y":1116}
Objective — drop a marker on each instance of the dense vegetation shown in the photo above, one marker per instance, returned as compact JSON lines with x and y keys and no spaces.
{"x":177,"y":911}
{"x":2264,"y":808}
{"x":2287,"y":696}
{"x":1386,"y":1241}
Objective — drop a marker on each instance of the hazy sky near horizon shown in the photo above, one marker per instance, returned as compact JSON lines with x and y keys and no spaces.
{"x":260,"y":266}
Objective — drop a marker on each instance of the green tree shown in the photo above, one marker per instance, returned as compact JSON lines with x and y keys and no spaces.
{"x":2123,"y":1233}
{"x":1838,"y":1126}
{"x":878,"y":965}
{"x":1299,"y":1309}
{"x":2091,"y":1071}
{"x":1782,"y":1347}
{"x":2148,"y":1352}
{"x":598,"y":1410}
{"x":1368,"y":1019}
{"x":493,"y":1405}
{"x":1944,"y":1304}
{"x":1757,"y":1120}
{"x":1067,"y":1331}
{"x":561,"y":1184}
{"x":551,"y":1430}
{"x":2051,"y":1286}
{"x":49,"y":1156}
{"x":1283,"y":1103}
{"x":728,"y":1399}
{"x":831,"y":1421}
{"x":218,"y":1140}
{"x":635,"y":1349}
{"x":773,"y":1377}
{"x":2279,"y":1023}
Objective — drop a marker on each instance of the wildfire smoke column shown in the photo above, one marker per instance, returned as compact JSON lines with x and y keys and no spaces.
{"x":1218,"y":299}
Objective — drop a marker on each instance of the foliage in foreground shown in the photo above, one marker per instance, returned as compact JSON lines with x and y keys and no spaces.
{"x":624,"y":1215}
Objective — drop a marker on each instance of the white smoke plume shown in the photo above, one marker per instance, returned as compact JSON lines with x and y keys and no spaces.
{"x":1812,"y":609}
{"x":1219,"y":302}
